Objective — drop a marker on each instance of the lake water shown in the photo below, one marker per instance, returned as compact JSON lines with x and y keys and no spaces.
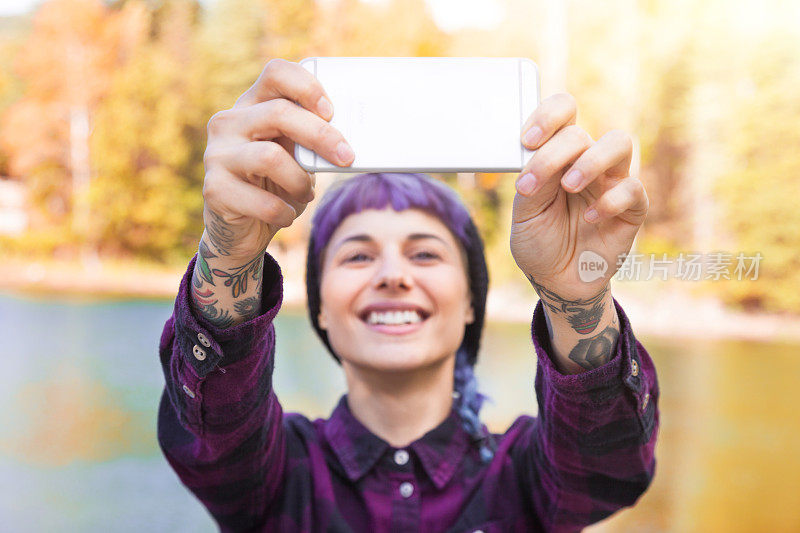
{"x":81,"y":381}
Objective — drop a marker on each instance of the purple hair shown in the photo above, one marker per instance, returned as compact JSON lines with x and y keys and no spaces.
{"x":401,"y":192}
{"x":377,"y":191}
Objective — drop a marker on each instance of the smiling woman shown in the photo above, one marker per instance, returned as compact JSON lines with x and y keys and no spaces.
{"x":397,"y":282}
{"x":380,"y":250}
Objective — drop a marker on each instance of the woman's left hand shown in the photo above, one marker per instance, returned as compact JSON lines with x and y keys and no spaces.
{"x":554,"y":235}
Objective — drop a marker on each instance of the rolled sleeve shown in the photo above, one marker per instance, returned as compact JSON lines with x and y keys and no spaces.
{"x":629,"y":372}
{"x":192,"y":349}
{"x":591,"y":450}
{"x":222,"y":347}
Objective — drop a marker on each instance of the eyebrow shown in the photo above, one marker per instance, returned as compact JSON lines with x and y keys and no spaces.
{"x":363,"y":237}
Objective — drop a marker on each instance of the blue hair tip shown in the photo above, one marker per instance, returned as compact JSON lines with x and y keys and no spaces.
{"x":486,"y":454}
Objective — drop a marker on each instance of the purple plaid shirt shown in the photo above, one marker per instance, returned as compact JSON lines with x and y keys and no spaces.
{"x":589,"y":452}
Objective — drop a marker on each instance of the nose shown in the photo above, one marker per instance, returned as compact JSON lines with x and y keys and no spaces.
{"x":393,"y":274}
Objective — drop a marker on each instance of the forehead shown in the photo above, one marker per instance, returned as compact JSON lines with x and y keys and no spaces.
{"x":388,"y":224}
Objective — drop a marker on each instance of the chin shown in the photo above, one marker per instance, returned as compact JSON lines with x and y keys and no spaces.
{"x":394,"y":359}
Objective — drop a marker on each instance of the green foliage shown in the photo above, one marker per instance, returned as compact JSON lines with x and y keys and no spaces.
{"x":760,"y":195}
{"x":229,"y":46}
{"x":144,"y":196}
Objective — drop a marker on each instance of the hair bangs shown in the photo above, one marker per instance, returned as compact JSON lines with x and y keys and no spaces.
{"x":382,"y":190}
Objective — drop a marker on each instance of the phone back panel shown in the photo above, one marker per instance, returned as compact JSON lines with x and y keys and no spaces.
{"x":413,"y":114}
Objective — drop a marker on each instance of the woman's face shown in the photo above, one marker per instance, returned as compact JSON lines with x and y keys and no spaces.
{"x":394,"y":293}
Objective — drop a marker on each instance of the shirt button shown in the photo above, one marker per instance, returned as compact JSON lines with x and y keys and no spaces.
{"x":634,"y":367}
{"x":646,"y":399}
{"x":401,"y":457}
{"x":406,"y":489}
{"x":188,"y":391}
{"x":199,"y":353}
{"x":203,"y":340}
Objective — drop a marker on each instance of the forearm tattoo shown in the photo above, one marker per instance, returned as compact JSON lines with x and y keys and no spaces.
{"x":237,"y":277}
{"x":220,"y":234}
{"x":248,"y":308}
{"x":595,"y":351}
{"x":206,"y":305}
{"x":201,"y":268}
{"x":205,"y":295}
{"x":582,"y":315}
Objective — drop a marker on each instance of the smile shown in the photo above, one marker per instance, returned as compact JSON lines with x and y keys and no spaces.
{"x":393,"y":319}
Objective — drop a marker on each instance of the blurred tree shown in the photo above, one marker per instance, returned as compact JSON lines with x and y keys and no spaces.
{"x":145,"y":143}
{"x":391,"y":28}
{"x":65,"y":64}
{"x":760,"y":192}
{"x":663,"y":133}
{"x":289,"y":27}
{"x":230,"y":47}
{"x":12,"y":33}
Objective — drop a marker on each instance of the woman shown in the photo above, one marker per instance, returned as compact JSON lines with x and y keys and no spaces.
{"x":396,"y":284}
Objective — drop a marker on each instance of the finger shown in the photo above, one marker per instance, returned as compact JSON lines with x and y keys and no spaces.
{"x":626,"y":199}
{"x":230,"y":194}
{"x":610,"y":155}
{"x":561,"y":150}
{"x":284,"y":79}
{"x":288,"y":145}
{"x":274,"y":118}
{"x":552,"y":114}
{"x":259,"y":159}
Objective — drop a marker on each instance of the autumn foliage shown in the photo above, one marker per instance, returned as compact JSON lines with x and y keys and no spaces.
{"x":104,"y":105}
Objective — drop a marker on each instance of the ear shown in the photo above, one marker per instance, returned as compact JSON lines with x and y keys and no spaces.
{"x":470,"y":315}
{"x":321,"y":320}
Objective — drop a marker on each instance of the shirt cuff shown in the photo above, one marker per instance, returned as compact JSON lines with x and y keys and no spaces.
{"x":600,"y":384}
{"x":204,"y":346}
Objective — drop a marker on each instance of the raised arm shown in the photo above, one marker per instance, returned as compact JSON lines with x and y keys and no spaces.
{"x":576,"y":213}
{"x":220,"y":424}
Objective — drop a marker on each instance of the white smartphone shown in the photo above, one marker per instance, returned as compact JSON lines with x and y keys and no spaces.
{"x":427,"y":114}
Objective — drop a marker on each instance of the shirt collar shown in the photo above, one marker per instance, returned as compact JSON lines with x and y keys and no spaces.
{"x":440,"y":450}
{"x":357,"y":448}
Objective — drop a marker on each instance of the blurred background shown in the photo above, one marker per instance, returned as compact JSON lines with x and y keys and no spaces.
{"x":103,"y":110}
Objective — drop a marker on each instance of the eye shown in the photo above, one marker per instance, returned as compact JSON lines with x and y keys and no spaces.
{"x":357,"y":258}
{"x":425,"y":255}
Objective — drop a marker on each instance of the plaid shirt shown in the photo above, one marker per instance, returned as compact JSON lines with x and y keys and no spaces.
{"x":589,"y":452}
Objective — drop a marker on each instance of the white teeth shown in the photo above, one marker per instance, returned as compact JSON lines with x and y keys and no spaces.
{"x":394,"y":317}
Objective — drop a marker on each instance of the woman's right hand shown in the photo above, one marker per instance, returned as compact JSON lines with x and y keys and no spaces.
{"x":253,"y":185}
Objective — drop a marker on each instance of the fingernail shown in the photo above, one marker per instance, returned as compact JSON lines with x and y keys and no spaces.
{"x":532,"y":137}
{"x":572,"y":179}
{"x":526,"y":184}
{"x":591,"y":215}
{"x":344,"y":152}
{"x":325,"y":107}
